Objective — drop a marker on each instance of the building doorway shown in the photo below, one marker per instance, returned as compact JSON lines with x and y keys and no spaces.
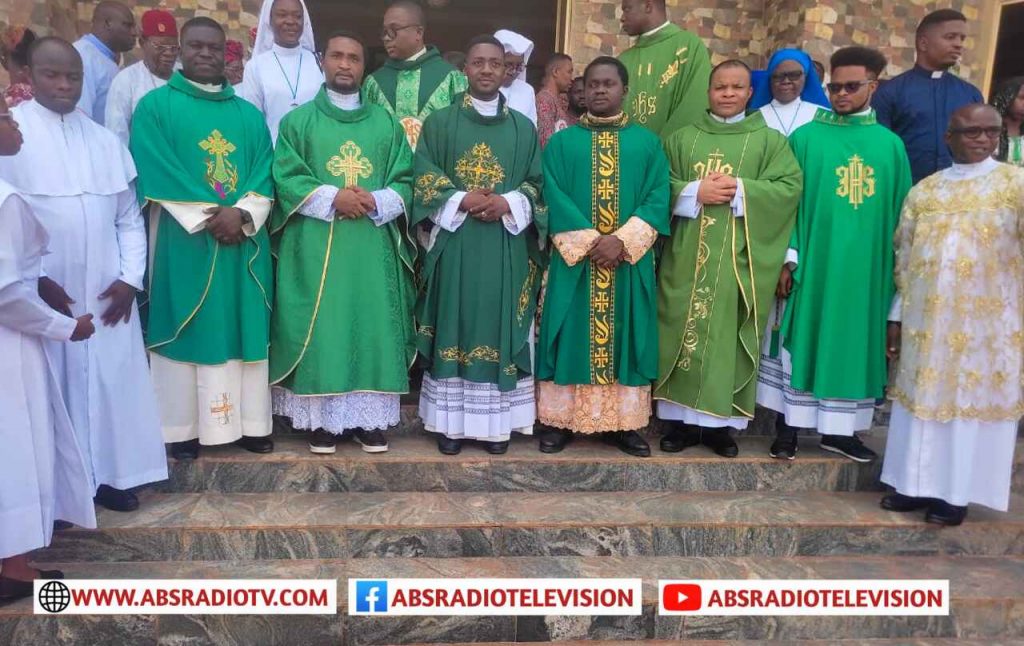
{"x":1007,"y":58}
{"x":450,"y":24}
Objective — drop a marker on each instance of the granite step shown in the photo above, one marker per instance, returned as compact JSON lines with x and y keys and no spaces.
{"x":987,"y":603}
{"x":286,"y":525}
{"x":587,"y":464}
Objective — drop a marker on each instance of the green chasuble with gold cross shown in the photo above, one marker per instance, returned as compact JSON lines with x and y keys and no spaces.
{"x":413,"y":90}
{"x":668,"y":80}
{"x":719,"y":269}
{"x":209,"y":302}
{"x":857,"y":175}
{"x":343,"y":318}
{"x":599,"y":326}
{"x":480,"y":282}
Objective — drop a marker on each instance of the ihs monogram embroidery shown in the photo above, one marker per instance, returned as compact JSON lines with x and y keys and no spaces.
{"x":350,"y":164}
{"x":856,"y":181}
{"x":712,"y":165}
{"x":221,"y":174}
{"x":479,"y":168}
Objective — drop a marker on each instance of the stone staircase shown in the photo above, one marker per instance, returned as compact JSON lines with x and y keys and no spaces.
{"x":590,"y":512}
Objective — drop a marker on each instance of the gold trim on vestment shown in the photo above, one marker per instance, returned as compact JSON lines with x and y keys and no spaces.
{"x":605,"y":218}
{"x":524,"y":293}
{"x":199,"y":306}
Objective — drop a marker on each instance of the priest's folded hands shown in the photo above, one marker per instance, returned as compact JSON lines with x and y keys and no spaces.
{"x":225,"y":224}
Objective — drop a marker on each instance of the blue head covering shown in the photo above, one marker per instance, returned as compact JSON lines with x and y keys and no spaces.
{"x":762,"y":80}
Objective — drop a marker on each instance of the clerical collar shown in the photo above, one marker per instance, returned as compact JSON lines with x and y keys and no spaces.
{"x":593,"y":122}
{"x":344,"y":101}
{"x":417,"y":55}
{"x":656,"y":29}
{"x":736,"y":118}
{"x":971,"y":171}
{"x":205,"y":87}
{"x":286,"y":51}
{"x":100,"y":45}
{"x":934,"y":74}
{"x":485,"y":108}
{"x":47,"y":112}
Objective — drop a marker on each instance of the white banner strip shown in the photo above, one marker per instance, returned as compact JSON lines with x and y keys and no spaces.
{"x":186,"y":597}
{"x":610,"y":597}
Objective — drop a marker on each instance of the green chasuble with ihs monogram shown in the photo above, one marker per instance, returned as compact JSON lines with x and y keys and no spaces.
{"x":599,"y":325}
{"x":480,"y":282}
{"x":343,"y":318}
{"x":413,"y":90}
{"x":668,"y":80}
{"x":719,"y":270}
{"x":209,"y":302}
{"x":857,"y":175}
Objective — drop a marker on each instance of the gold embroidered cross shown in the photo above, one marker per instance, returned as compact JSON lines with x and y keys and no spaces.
{"x":856,"y":181}
{"x":479,"y":168}
{"x":712,"y":165}
{"x":605,"y":139}
{"x":223,"y":408}
{"x":605,"y":189}
{"x":349,"y":164}
{"x":218,"y":147}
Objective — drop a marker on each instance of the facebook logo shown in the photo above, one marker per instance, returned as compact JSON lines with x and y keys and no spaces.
{"x":371,"y":596}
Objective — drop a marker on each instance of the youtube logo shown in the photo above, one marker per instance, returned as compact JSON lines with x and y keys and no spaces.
{"x":681,"y":597}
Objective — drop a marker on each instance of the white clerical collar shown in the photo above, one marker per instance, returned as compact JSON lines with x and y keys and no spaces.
{"x":205,"y":87}
{"x":792,"y":105}
{"x":344,"y":101}
{"x":736,"y":118}
{"x":971,"y":171}
{"x":863,"y":112}
{"x":656,"y":29}
{"x":485,"y":108}
{"x":417,"y":55}
{"x":47,"y":113}
{"x":286,"y":51}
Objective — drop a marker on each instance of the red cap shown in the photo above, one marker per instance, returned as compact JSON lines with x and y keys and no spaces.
{"x":158,"y":23}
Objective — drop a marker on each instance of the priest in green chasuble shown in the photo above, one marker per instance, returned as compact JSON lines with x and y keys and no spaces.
{"x":668,"y":69}
{"x":204,"y":160}
{"x":415,"y":81}
{"x":606,"y":189}
{"x":735,"y":189}
{"x":856,"y":175}
{"x":478,"y":181}
{"x":342,"y":331}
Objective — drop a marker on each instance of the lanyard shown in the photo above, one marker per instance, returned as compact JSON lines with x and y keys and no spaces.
{"x":796,"y":113}
{"x":294,"y":89}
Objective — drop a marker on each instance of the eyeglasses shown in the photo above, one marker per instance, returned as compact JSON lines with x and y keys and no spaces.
{"x":515,"y":67}
{"x":992,"y":132}
{"x":792,"y":77}
{"x":391,"y":33}
{"x":166,"y":49}
{"x":851,"y":87}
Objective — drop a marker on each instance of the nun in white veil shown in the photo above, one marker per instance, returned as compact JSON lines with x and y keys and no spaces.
{"x":518,"y":93}
{"x":284,"y":71}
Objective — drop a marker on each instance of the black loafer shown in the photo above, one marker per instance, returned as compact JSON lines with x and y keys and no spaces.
{"x":116,"y":499}
{"x":448,"y":446}
{"x":629,"y":442}
{"x":719,"y":441}
{"x":679,"y":438}
{"x":496,"y":448}
{"x":554,"y":440}
{"x":255,"y":444}
{"x":942,"y":513}
{"x":13,"y":589}
{"x":187,"y":450}
{"x":899,"y":502}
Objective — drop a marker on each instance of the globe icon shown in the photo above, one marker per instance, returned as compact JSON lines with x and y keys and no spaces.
{"x":54,"y":596}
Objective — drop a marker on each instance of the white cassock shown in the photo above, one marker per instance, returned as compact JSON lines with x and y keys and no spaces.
{"x":99,"y":67}
{"x":279,"y":79}
{"x":958,"y":392}
{"x":520,"y":95}
{"x":461,"y":409}
{"x":44,"y":476}
{"x":80,"y":182}
{"x":128,"y":87}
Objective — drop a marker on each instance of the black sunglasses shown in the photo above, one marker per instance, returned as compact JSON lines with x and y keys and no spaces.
{"x":851,"y":87}
{"x":792,"y":77}
{"x":992,"y":132}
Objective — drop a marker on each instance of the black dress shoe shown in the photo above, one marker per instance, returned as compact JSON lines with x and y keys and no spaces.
{"x":187,"y":450}
{"x":678,"y":438}
{"x":13,"y":589}
{"x":255,"y":444}
{"x":719,"y":441}
{"x":553,"y":440}
{"x":61,"y":525}
{"x":448,"y":446}
{"x":899,"y":502}
{"x":496,"y":448}
{"x":629,"y":442}
{"x":785,"y":445}
{"x":116,"y":499}
{"x":942,"y":513}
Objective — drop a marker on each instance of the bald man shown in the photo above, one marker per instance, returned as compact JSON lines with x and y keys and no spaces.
{"x":958,"y":394}
{"x":113,"y":33}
